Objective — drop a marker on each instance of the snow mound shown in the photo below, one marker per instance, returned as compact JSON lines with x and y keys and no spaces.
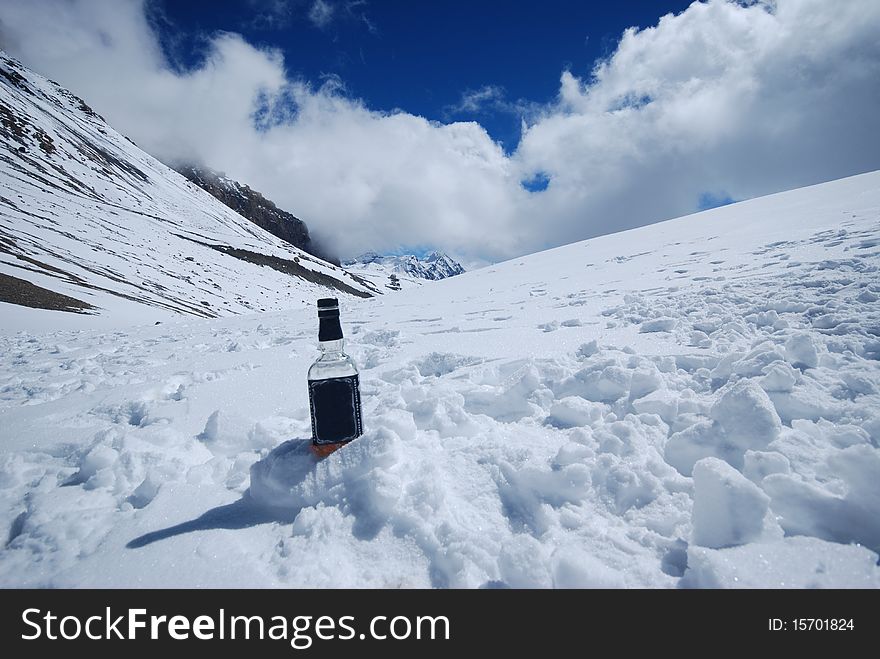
{"x":827,"y":510}
{"x":728,"y":508}
{"x":743,"y":418}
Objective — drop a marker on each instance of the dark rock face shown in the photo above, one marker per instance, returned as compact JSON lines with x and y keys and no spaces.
{"x":255,"y":207}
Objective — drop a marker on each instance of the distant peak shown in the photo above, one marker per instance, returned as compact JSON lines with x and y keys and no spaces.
{"x":432,"y":266}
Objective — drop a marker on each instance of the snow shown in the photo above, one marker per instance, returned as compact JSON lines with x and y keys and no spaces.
{"x":728,"y":508}
{"x":85,"y":213}
{"x":796,"y":562}
{"x":403,"y":271}
{"x":496,"y":454}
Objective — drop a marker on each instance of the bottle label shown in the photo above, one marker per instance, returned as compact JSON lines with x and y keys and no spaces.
{"x":336,"y":409}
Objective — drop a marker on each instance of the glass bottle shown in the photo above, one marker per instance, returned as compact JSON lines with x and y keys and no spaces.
{"x":334,"y":388}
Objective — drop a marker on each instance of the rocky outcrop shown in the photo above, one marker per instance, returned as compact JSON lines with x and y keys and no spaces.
{"x":255,"y":207}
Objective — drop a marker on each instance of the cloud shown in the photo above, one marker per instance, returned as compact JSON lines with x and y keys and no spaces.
{"x":491,"y":99}
{"x":270,"y":14}
{"x":476,"y":100}
{"x":321,"y":13}
{"x":724,"y":100}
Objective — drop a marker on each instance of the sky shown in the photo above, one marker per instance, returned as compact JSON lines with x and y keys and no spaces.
{"x":485,"y":129}
{"x":445,"y":61}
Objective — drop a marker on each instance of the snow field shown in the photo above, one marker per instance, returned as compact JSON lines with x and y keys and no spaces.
{"x":528,"y":425}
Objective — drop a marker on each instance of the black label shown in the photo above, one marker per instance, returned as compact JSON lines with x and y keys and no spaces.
{"x":336,"y":409}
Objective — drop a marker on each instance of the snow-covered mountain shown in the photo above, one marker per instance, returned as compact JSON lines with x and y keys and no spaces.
{"x":403,"y":271}
{"x":694,"y":403}
{"x":90,"y":223}
{"x":249,"y":203}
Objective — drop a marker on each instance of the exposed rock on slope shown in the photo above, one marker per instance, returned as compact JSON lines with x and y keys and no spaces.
{"x":254,"y":206}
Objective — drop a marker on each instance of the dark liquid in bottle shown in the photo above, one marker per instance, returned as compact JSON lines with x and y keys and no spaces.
{"x":336,"y":409}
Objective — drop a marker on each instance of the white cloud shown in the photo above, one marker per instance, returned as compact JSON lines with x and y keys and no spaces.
{"x":270,"y":14}
{"x":321,"y":13}
{"x":725,"y":99}
{"x":492,"y":99}
{"x":477,"y":100}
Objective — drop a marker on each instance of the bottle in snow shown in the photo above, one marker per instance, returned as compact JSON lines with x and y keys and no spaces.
{"x":334,"y":389}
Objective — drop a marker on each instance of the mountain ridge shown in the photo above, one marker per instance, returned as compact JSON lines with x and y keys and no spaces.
{"x":254,"y":206}
{"x":86,"y":214}
{"x":404,"y":270}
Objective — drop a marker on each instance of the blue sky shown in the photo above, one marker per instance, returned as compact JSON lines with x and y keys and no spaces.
{"x":486,"y":129}
{"x":425,"y":57}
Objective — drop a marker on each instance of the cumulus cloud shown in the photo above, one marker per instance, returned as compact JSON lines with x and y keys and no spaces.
{"x":725,"y":100}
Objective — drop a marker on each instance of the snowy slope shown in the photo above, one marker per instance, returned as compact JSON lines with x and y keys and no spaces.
{"x":249,"y":203}
{"x":85,"y":213}
{"x":693,"y":403}
{"x":398,"y":272}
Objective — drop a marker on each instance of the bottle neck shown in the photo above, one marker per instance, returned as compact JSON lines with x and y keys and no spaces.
{"x":329,"y":329}
{"x":334,"y":347}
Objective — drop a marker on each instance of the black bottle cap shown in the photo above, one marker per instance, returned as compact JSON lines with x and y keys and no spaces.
{"x":328,"y":307}
{"x":329,"y":328}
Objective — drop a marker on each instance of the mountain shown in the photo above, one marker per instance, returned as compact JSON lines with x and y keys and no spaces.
{"x":89,"y":223}
{"x":695,"y":403}
{"x":254,"y":206}
{"x":398,"y":272}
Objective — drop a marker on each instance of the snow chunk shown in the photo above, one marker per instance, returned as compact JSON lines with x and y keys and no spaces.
{"x":573,"y":411}
{"x":658,"y":325}
{"x":587,"y":349}
{"x":357,"y":477}
{"x":757,"y":360}
{"x":728,"y":508}
{"x":384,"y":338}
{"x":606,"y":386}
{"x":701,"y":440}
{"x":662,"y":402}
{"x":779,"y":376}
{"x":400,"y":421}
{"x":765,"y":318}
{"x":800,"y":351}
{"x":228,"y":434}
{"x":572,"y":453}
{"x":789,"y":563}
{"x":747,"y":415}
{"x":442,"y":363}
{"x":643,"y":382}
{"x":760,"y":464}
{"x":700,"y":339}
{"x":95,"y":467}
{"x":743,"y":418}
{"x":524,"y":563}
{"x":574,"y":568}
{"x":808,"y":508}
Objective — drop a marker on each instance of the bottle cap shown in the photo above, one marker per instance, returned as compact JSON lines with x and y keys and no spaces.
{"x":329,"y":328}
{"x":328,"y":307}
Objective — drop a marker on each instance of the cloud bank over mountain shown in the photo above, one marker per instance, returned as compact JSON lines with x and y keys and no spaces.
{"x":725,"y":100}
